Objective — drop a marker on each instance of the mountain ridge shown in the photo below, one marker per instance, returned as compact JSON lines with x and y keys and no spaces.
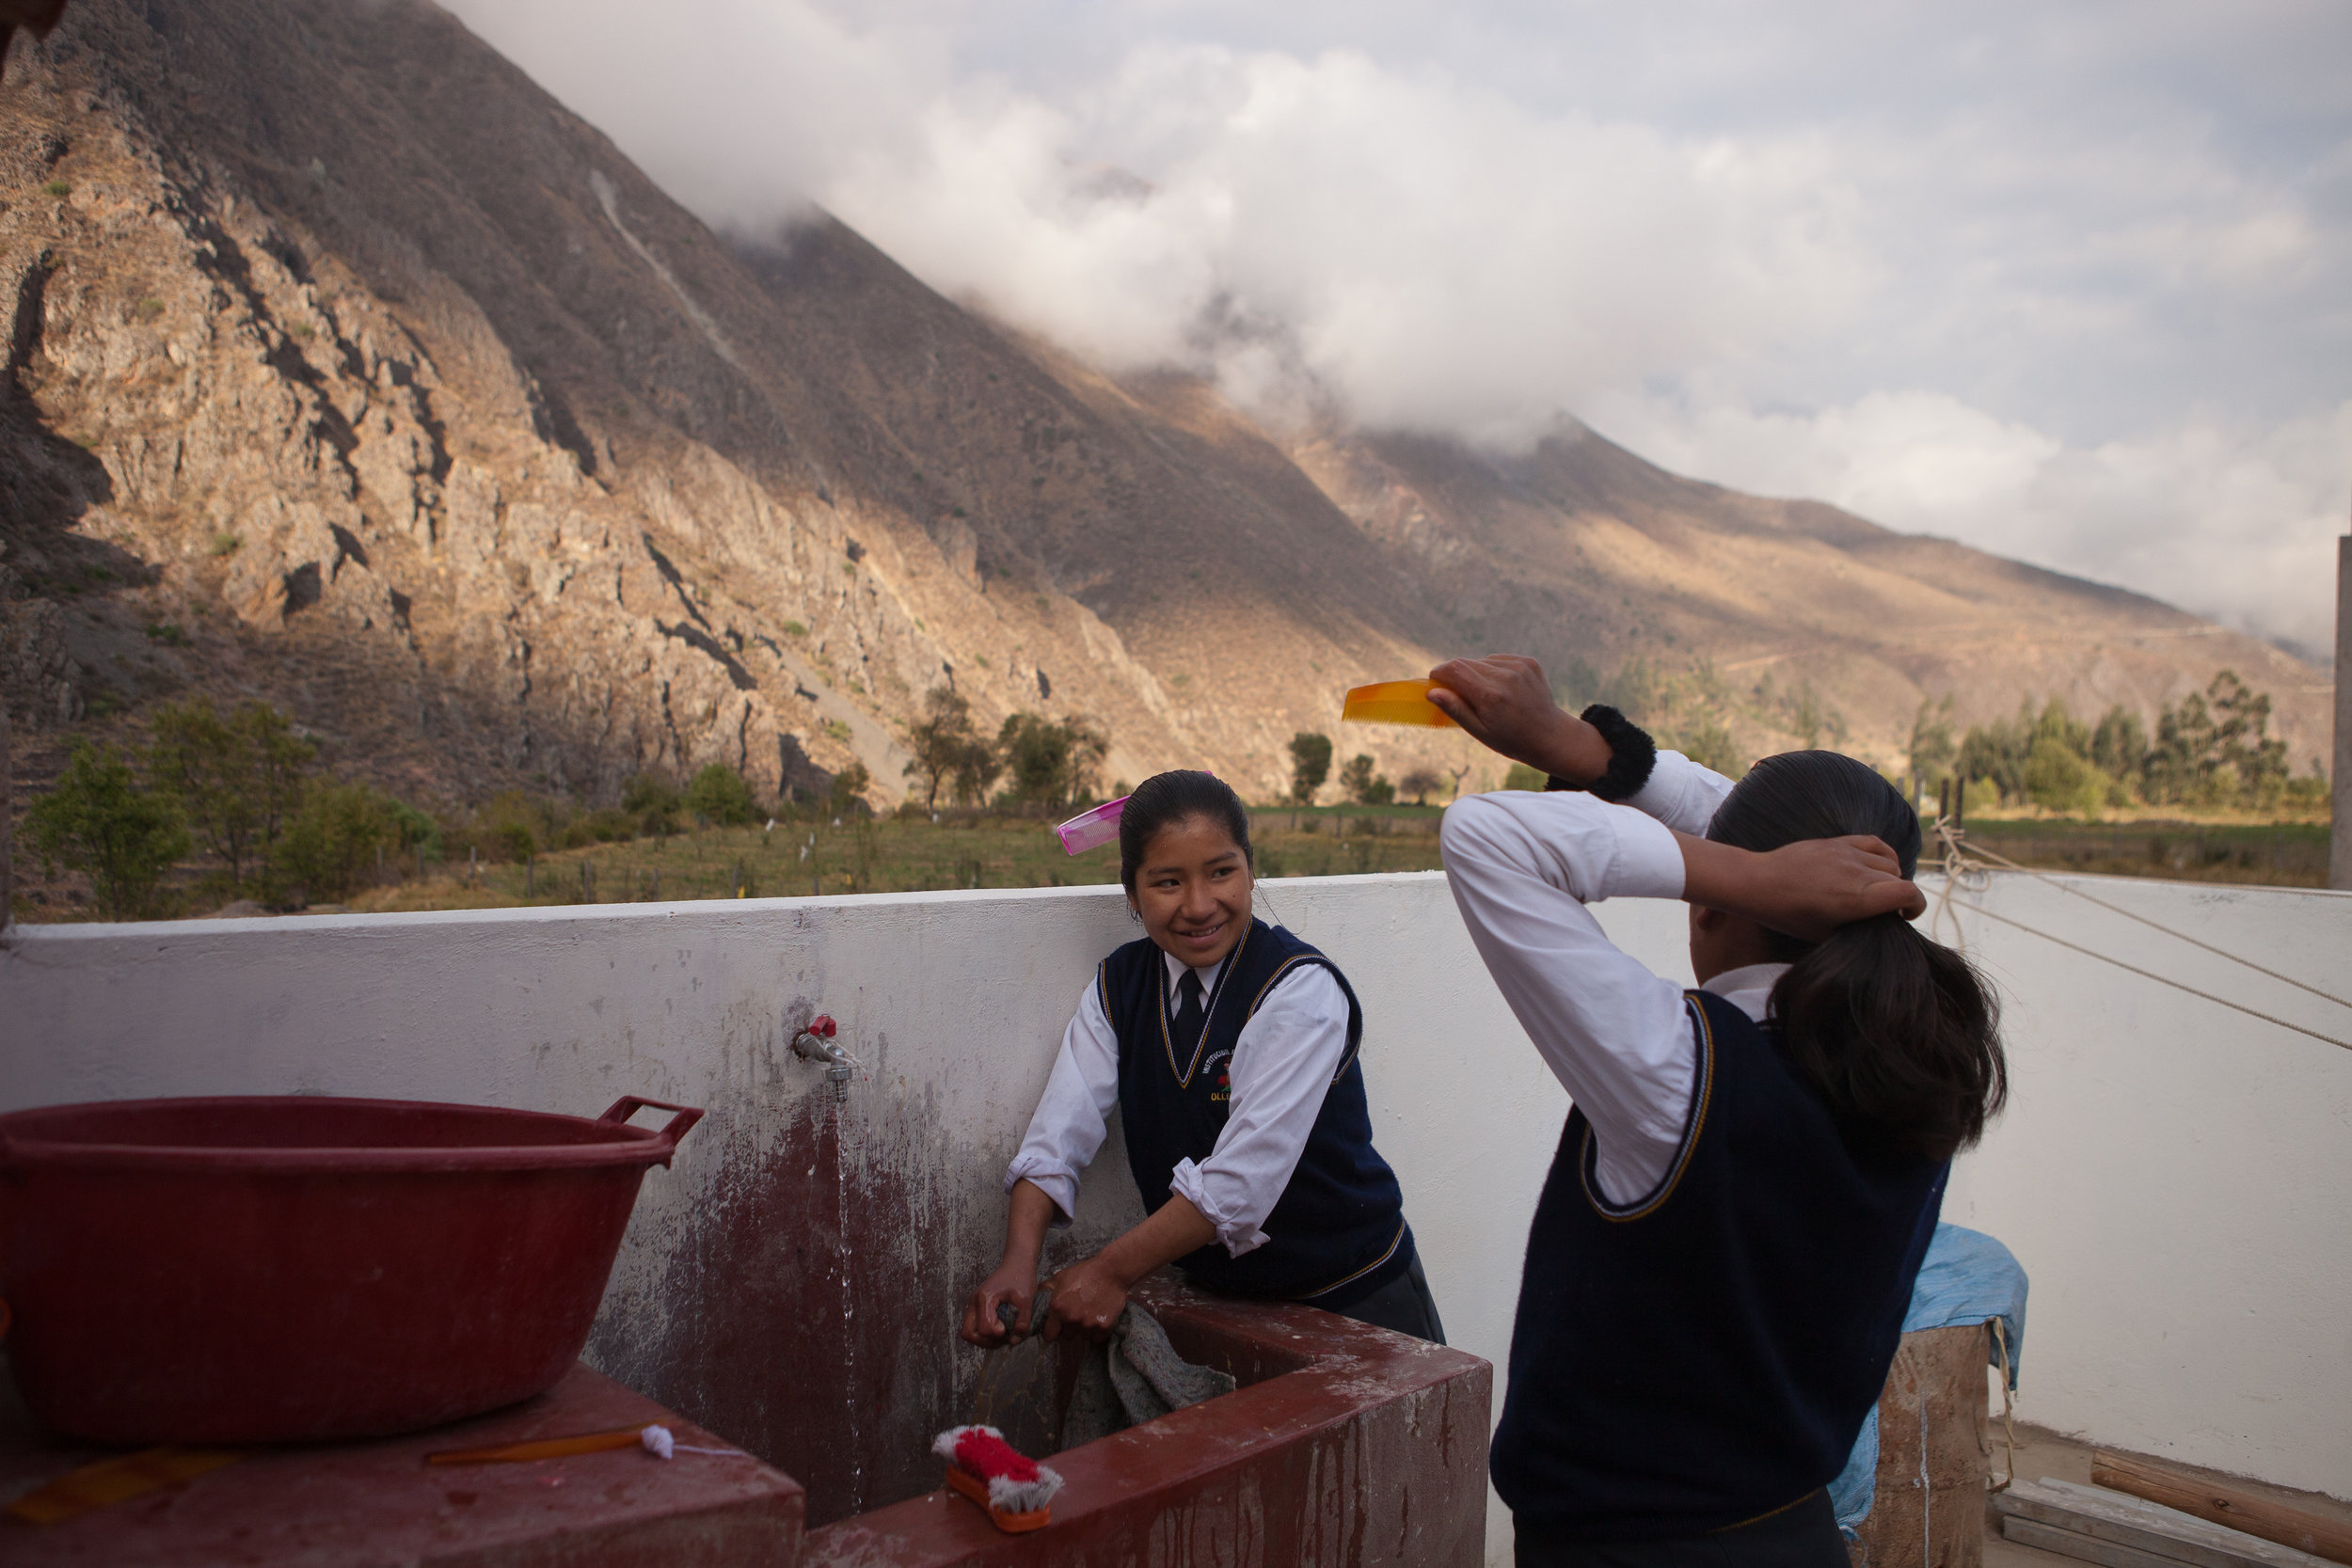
{"x":527,"y":476}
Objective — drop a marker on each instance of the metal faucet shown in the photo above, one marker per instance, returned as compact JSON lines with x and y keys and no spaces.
{"x":815,"y":1043}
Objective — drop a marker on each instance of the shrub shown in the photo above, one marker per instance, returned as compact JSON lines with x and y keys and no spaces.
{"x":513,"y":827}
{"x":1310,"y":763}
{"x":720,"y":796}
{"x":237,"y":777}
{"x":1363,"y":784}
{"x":99,"y":820}
{"x":334,"y":839}
{"x":225,"y":545}
{"x":59,"y":187}
{"x":1052,"y":763}
{"x":944,"y":745}
{"x":413,"y":829}
{"x":849,"y":787}
{"x":611,"y":825}
{"x":2058,"y":780}
{"x":1419,"y":783}
{"x":652,"y":798}
{"x":1710,"y":746}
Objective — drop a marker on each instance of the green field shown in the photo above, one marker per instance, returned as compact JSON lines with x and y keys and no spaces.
{"x":967,"y":849}
{"x":889,"y":855}
{"x":2271,"y":854}
{"x":911,"y":854}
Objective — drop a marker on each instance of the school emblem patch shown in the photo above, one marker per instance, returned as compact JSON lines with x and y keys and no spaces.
{"x":1220,"y":1065}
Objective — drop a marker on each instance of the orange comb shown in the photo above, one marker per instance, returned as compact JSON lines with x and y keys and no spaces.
{"x":1395,"y":703}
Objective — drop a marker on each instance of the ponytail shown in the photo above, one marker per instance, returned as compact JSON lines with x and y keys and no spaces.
{"x":1900,"y":1035}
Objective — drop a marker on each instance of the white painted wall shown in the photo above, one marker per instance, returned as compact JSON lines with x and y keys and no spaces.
{"x":2174,"y":1176}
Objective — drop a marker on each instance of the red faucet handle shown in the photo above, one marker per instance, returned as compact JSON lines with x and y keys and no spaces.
{"x":823,"y":1026}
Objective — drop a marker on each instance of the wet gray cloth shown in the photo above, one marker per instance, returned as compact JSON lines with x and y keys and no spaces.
{"x":1133,"y":1377}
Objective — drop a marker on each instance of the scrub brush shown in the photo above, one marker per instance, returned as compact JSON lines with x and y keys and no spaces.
{"x":1017,"y":1491}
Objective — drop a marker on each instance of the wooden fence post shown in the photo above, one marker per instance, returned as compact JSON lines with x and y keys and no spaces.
{"x":2340,"y":820}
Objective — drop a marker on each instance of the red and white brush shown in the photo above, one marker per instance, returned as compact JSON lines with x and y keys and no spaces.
{"x":1016,"y":1490}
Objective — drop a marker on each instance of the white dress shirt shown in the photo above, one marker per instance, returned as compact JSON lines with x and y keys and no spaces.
{"x":1522,"y":866}
{"x":1281,"y":1066}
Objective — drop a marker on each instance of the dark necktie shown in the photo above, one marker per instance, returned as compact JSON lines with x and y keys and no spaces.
{"x":1188,"y":1011}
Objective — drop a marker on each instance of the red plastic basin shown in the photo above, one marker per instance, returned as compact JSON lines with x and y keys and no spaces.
{"x":294,"y":1268}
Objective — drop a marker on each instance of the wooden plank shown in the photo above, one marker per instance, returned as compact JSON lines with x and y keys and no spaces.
{"x":2187,"y":1527}
{"x":2089,"y":1548}
{"x":2144,"y":1526}
{"x":2225,"y":1505}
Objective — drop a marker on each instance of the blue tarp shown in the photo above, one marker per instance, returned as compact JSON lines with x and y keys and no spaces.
{"x":1967,"y":1277}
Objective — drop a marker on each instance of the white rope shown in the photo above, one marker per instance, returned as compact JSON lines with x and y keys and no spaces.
{"x":1958,"y":872}
{"x":2151,"y":974}
{"x":2000,"y":1338}
{"x":1950,"y":836}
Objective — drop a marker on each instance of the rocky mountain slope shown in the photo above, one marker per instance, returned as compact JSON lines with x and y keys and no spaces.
{"x":347,"y":369}
{"x":1582,"y":551}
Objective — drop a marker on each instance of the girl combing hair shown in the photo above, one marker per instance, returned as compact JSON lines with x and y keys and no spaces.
{"x":1230,"y":1048}
{"x":1896,"y":1033}
{"x":1722,"y":1253}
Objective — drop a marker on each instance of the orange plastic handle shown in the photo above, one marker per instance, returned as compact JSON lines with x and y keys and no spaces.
{"x":629,"y":1104}
{"x":1011,"y":1524}
{"x":545,"y":1447}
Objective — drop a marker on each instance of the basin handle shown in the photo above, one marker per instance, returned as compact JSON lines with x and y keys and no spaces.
{"x":629,"y":1104}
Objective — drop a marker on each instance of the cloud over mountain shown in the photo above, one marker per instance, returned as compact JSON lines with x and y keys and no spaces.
{"x":2052,"y":280}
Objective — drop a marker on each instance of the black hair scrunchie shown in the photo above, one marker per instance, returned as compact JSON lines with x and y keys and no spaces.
{"x":1632,"y":756}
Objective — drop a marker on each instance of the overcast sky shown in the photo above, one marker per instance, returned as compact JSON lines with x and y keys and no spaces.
{"x":2068,"y":281}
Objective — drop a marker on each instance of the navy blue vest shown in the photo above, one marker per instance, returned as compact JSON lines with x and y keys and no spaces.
{"x":1708,"y":1352}
{"x":1338,"y":1233}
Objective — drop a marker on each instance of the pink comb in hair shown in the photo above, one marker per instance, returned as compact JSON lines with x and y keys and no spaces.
{"x":1092,"y":828}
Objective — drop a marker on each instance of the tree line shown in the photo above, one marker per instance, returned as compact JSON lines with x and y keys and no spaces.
{"x":1360,"y":779}
{"x":1045,"y":762}
{"x":2211,"y":750}
{"x":242,"y":792}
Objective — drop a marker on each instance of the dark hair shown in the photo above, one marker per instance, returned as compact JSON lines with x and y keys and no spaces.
{"x":1165,"y":798}
{"x":1898,"y":1032}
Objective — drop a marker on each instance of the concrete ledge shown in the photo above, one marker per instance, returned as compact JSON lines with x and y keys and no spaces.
{"x":1346,"y":1444}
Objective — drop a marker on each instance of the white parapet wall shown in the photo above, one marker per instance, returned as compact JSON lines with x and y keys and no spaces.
{"x":2175,"y":1176}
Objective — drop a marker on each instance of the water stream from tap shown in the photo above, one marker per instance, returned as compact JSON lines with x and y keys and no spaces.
{"x":848,"y":1151}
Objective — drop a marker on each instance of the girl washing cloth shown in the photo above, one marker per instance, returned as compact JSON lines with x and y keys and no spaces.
{"x":1722,"y":1256}
{"x":1229,"y":1049}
